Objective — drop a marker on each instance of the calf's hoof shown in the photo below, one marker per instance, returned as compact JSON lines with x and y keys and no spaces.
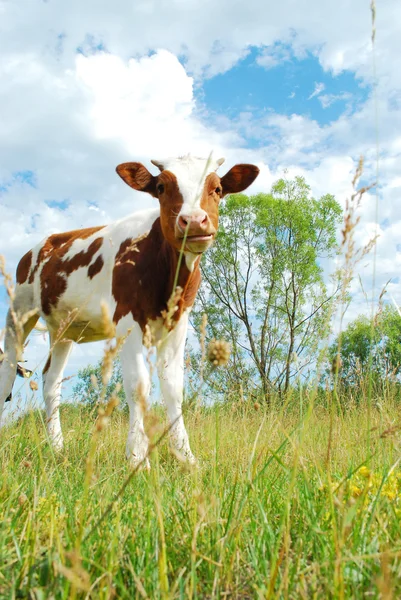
{"x":57,"y":445}
{"x":185,"y":457}
{"x":139,"y":464}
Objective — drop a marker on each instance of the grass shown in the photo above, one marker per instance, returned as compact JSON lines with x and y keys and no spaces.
{"x":274,"y":509}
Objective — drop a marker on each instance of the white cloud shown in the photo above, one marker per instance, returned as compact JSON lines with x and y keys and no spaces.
{"x":272,"y":56}
{"x":327,"y":100}
{"x":211,"y":35}
{"x":319,"y":87}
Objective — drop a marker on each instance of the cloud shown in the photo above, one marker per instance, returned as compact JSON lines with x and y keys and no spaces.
{"x":319,"y":87}
{"x":327,"y":100}
{"x":272,"y":56}
{"x":212,"y":36}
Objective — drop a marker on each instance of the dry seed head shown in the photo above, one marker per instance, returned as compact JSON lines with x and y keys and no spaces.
{"x":110,"y":353}
{"x":101,"y":423}
{"x":147,"y":337}
{"x":172,"y":308}
{"x":187,"y":361}
{"x":336,"y":364}
{"x":94,"y":381}
{"x":132,"y":248}
{"x":218,"y":352}
{"x":358,"y":172}
{"x":111,"y":405}
{"x":107,"y":367}
{"x":65,"y":323}
{"x":200,"y":500}
{"x":154,"y":426}
{"x":141,"y":396}
{"x":76,"y":574}
{"x":22,"y":499}
{"x":107,"y":324}
{"x":8,"y":282}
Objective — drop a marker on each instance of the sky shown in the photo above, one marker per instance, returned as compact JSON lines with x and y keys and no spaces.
{"x":290,"y":86}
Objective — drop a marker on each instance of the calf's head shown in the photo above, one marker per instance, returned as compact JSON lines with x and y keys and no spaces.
{"x":189,"y":191}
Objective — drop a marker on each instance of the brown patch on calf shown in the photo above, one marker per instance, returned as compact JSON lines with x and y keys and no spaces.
{"x":143,"y":278}
{"x":96,"y":267}
{"x":54,"y":275}
{"x":171,"y":201}
{"x":210,"y":199}
{"x":55,"y":271}
{"x":61,"y":242}
{"x":23,"y":268}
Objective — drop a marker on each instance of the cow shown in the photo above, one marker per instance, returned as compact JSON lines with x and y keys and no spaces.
{"x":129,"y":270}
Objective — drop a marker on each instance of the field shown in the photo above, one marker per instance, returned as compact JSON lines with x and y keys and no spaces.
{"x":280,"y":506}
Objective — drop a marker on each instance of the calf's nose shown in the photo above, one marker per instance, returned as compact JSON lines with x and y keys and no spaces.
{"x":196,"y":222}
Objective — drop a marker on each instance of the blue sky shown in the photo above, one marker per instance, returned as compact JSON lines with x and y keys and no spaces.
{"x":27,"y":177}
{"x":293,"y":85}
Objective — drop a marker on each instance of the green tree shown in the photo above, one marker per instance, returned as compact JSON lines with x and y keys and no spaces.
{"x":263,"y":286}
{"x":88,"y":388}
{"x":369,"y":348}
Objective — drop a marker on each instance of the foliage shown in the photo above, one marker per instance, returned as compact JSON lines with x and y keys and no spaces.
{"x":280,"y":507}
{"x":263,"y":287}
{"x":88,"y":388}
{"x":369,"y":348}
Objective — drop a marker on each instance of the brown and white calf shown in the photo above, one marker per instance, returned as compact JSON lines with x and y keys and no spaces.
{"x":128,"y":268}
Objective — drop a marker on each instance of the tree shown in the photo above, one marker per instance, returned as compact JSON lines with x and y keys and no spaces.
{"x":369,"y":348}
{"x":88,"y":388}
{"x":263,"y":286}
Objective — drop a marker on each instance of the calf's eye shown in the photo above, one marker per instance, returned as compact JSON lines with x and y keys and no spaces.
{"x":218,"y":190}
{"x":160,"y":188}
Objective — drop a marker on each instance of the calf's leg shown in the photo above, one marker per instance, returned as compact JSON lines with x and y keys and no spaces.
{"x":170,"y":366}
{"x":137,"y":387}
{"x":52,"y":379}
{"x":13,"y":347}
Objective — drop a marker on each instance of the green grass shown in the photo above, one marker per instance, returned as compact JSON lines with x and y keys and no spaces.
{"x":274,"y":509}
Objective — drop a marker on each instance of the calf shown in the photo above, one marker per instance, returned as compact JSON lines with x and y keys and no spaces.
{"x":128,"y":270}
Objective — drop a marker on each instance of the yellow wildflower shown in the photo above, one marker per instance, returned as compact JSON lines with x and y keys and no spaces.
{"x":355,"y":491}
{"x":389,"y":491}
{"x":364,"y":471}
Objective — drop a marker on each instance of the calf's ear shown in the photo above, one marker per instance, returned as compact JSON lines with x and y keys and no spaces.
{"x":238,"y":178}
{"x":138,"y":177}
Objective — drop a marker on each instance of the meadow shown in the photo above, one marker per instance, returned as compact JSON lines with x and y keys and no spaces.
{"x":283,"y":504}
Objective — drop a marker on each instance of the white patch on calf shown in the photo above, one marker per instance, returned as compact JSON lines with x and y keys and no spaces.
{"x":191,"y":173}
{"x":190,"y":260}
